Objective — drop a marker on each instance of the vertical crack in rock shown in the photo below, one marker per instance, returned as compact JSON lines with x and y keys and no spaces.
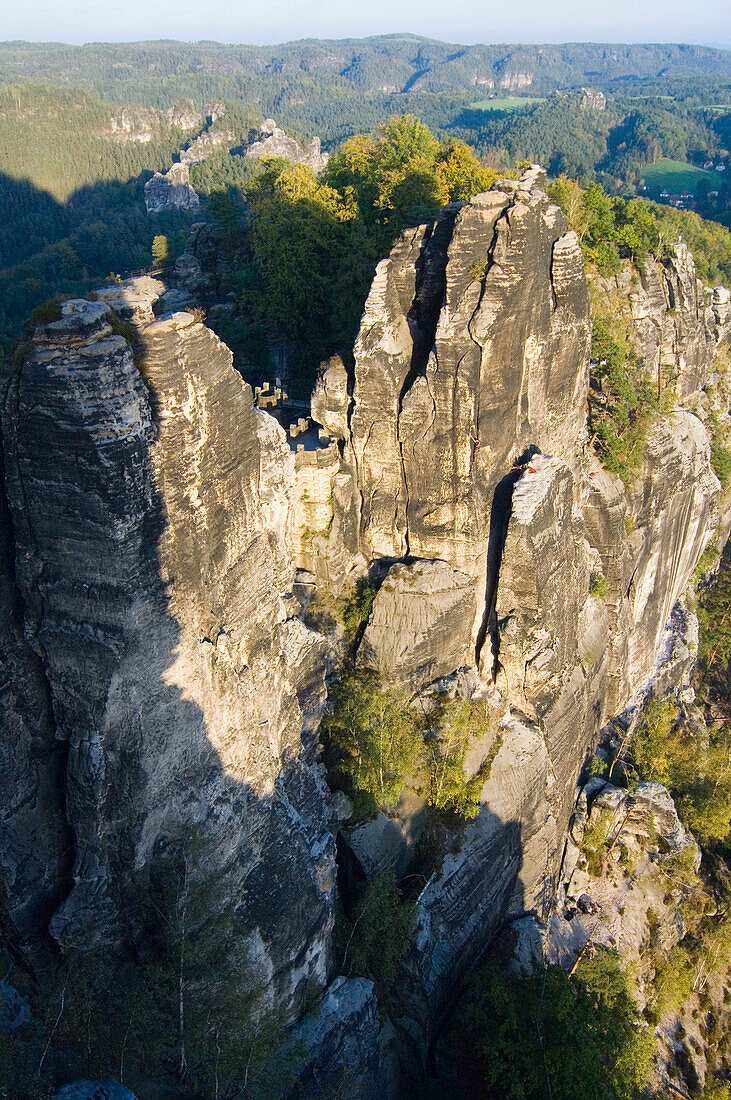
{"x":431,"y":288}
{"x":489,"y":263}
{"x":500,"y":512}
{"x":423,"y":318}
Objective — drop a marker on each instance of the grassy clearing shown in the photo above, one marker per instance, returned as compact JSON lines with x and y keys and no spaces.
{"x":506,"y":103}
{"x":676,"y":176}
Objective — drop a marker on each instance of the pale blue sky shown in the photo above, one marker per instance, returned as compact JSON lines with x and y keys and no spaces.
{"x":259,"y":21}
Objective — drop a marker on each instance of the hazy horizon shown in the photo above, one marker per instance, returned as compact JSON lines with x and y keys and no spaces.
{"x":535,"y":22}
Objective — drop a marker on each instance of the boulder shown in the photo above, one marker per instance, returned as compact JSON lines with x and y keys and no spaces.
{"x":94,"y":1090}
{"x":420,"y":627}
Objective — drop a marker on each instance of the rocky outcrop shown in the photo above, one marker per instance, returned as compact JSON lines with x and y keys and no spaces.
{"x":452,"y":376}
{"x":149,"y":517}
{"x":158,"y":517}
{"x":673,"y":320}
{"x":171,"y":191}
{"x":134,"y":301}
{"x":463,"y":433}
{"x":592,"y":99}
{"x":205,"y":145}
{"x":418,"y":629}
{"x":134,"y":124}
{"x":343,"y":1047}
{"x":649,"y":541}
{"x":184,"y":115}
{"x":274,"y":142}
{"x":629,"y":867}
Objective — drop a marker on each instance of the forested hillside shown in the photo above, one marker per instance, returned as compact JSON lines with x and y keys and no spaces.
{"x":151,"y":72}
{"x":83,"y":128}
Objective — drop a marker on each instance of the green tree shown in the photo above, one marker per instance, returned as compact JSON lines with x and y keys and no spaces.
{"x":456,"y":727}
{"x":373,"y":745}
{"x":160,"y":250}
{"x":525,"y":1038}
{"x":380,"y":932}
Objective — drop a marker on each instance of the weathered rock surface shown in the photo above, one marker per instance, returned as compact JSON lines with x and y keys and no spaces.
{"x":156,"y":519}
{"x":420,"y":627}
{"x":343,"y":1047}
{"x":593,"y":99}
{"x":205,"y":145}
{"x":171,"y":191}
{"x":465,"y":439}
{"x":133,"y":124}
{"x":473,"y":346}
{"x":134,"y":300}
{"x":639,"y":870}
{"x":149,"y":519}
{"x":674,"y":321}
{"x":274,"y":142}
{"x":94,"y":1090}
{"x":650,"y":541}
{"x":184,"y":115}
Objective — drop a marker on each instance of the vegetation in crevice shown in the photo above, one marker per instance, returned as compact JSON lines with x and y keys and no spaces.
{"x":524,"y":1038}
{"x":720,"y":451}
{"x":185,"y":1010}
{"x":599,"y":588}
{"x":623,"y":401}
{"x":376,"y":743}
{"x":373,"y":938}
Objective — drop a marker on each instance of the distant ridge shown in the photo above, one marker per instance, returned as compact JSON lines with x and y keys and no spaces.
{"x":393,"y":62}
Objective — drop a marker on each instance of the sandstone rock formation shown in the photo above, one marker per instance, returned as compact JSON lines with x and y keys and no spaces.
{"x":149,"y":556}
{"x":133,"y":125}
{"x":673,"y":320}
{"x":171,"y":191}
{"x":155,"y":521}
{"x":202,"y":147}
{"x":633,"y":839}
{"x":274,"y":142}
{"x":463,"y":435}
{"x":418,"y":629}
{"x":593,"y":99}
{"x":184,"y":115}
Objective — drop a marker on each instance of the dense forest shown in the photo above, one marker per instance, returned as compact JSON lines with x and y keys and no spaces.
{"x":83,"y":128}
{"x":152,"y":72}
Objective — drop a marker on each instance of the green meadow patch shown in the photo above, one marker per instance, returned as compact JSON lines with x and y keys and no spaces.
{"x":676,"y":176}
{"x":506,"y":103}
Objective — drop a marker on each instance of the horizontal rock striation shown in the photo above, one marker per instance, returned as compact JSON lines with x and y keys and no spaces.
{"x":463,"y":430}
{"x":149,"y":517}
{"x":160,"y":686}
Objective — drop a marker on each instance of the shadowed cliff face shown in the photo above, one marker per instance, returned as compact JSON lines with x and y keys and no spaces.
{"x":148,"y":516}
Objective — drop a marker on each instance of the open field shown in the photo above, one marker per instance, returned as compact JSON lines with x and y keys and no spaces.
{"x":676,"y":176}
{"x":506,"y":103}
